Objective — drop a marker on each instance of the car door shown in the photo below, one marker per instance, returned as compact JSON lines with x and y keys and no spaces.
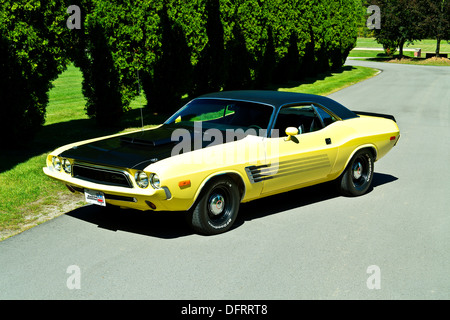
{"x":302,"y":158}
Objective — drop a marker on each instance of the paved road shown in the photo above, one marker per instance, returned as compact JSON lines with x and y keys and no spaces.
{"x":306,"y":244}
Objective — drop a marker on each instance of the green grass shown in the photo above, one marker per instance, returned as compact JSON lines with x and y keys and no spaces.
{"x":24,"y":189}
{"x":66,"y":99}
{"x":408,"y":58}
{"x":29,"y":197}
{"x":380,"y":54}
{"x":328,"y":83}
{"x":427,"y":45}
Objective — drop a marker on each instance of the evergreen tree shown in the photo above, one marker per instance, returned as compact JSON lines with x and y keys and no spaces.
{"x":32,"y":54}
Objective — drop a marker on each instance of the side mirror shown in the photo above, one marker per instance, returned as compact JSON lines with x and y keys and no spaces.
{"x":291,"y":131}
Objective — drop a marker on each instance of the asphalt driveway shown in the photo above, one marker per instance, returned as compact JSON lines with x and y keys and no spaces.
{"x":393,"y":243}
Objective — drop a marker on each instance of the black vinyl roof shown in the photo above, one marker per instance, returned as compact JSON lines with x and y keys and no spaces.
{"x":278,"y":99}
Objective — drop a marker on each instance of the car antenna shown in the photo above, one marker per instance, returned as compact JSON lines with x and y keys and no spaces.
{"x":140,"y":100}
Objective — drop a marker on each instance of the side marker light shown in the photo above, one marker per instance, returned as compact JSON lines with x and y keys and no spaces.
{"x":150,"y":204}
{"x":184,"y":184}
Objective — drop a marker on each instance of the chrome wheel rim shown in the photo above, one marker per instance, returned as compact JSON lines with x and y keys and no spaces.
{"x":361,"y":171}
{"x":357,"y":170}
{"x":219,"y":206}
{"x":216,"y":204}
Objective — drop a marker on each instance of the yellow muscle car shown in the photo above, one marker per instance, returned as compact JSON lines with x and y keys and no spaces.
{"x":225,"y":148}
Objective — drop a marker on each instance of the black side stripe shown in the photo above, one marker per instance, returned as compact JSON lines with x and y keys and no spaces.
{"x":285,"y":168}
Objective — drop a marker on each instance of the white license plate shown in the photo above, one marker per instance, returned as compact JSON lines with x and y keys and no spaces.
{"x":95,"y":197}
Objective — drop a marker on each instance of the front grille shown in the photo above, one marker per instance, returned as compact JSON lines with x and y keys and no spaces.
{"x":102,"y":176}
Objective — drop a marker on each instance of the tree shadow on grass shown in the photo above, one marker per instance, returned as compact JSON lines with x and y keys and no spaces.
{"x":169,"y":225}
{"x":48,"y":138}
{"x":309,"y":80}
{"x":59,"y":134}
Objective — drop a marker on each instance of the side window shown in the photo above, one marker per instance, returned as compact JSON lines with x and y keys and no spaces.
{"x":304,"y":118}
{"x":326,"y":117}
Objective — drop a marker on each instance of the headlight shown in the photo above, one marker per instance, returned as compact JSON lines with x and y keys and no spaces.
{"x":67,"y":166}
{"x":155,"y":182}
{"x":141,"y":179}
{"x":56,"y":163}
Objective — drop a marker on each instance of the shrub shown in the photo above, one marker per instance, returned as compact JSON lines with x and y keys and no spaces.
{"x":31,"y":57}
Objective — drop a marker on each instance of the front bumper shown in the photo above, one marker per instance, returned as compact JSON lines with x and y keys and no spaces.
{"x":134,"y":198}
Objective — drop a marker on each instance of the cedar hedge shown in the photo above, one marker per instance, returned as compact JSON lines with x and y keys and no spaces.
{"x":169,"y":48}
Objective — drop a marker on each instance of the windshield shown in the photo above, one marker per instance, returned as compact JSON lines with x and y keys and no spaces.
{"x":223,"y":114}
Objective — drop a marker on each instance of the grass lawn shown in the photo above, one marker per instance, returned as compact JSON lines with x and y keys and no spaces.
{"x":427,"y":45}
{"x":326,"y":84}
{"x":29,"y":197}
{"x":376,"y":54}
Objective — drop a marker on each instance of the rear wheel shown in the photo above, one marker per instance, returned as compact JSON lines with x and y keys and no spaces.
{"x":357,"y":177}
{"x":217,"y":207}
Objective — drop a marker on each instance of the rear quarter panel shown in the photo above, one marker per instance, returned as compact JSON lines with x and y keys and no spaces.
{"x":363,"y":132}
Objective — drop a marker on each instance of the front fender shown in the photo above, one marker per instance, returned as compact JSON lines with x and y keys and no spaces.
{"x":234,"y":174}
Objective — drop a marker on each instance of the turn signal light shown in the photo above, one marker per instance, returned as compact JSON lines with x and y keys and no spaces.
{"x":150,"y":204}
{"x":184,"y":183}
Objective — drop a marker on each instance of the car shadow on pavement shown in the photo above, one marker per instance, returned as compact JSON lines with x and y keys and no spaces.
{"x":161,"y":224}
{"x":170,"y":225}
{"x":299,"y":198}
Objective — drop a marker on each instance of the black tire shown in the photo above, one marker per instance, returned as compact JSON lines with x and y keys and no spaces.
{"x":217,"y":207}
{"x":357,"y":177}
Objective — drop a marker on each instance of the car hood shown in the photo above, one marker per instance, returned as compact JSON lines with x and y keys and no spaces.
{"x":135,"y":150}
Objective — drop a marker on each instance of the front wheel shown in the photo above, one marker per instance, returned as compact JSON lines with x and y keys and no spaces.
{"x":357,"y":177}
{"x":217,"y":207}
